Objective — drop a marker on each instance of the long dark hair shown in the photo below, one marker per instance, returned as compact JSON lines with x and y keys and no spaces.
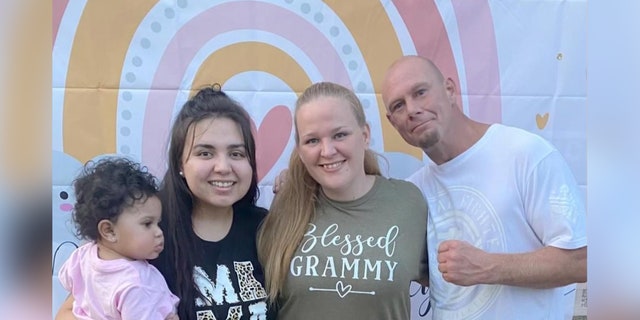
{"x":177,"y":199}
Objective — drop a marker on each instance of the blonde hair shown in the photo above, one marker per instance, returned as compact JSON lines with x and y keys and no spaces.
{"x":295,"y":204}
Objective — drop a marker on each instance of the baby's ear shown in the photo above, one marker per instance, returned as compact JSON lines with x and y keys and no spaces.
{"x":107,"y":231}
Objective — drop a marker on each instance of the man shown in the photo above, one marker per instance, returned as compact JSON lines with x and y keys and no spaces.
{"x":506,"y":226}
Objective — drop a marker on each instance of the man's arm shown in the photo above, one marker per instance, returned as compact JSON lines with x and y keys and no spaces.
{"x":463,"y":264}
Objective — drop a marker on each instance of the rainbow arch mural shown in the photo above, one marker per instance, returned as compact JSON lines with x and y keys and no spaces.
{"x":122,"y":69}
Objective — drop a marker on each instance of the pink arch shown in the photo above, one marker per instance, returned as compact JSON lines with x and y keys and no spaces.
{"x":479,"y":50}
{"x":210,"y":23}
{"x":58,"y":8}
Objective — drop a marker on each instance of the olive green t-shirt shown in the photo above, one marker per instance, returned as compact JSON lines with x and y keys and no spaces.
{"x":357,"y":258}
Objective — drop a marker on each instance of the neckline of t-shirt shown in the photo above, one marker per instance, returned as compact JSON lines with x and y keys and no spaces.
{"x":354,"y":202}
{"x":227,"y":236}
{"x":464,"y":156}
{"x":110,"y":265}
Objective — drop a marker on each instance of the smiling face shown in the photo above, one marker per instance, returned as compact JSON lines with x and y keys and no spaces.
{"x":419,"y":101}
{"x":215,"y":163}
{"x":332,"y":145}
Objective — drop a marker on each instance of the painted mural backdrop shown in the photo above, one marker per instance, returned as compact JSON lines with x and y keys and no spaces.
{"x":122,"y":69}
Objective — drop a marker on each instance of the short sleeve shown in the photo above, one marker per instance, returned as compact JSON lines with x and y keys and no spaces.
{"x":63,"y":276}
{"x":554,"y":205}
{"x":142,"y":302}
{"x":68,"y":270}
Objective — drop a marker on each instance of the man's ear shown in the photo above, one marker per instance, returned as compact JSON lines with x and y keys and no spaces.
{"x":107,"y":231}
{"x":451,"y":88}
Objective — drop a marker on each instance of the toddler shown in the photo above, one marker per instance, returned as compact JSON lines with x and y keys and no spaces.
{"x":118,"y":210}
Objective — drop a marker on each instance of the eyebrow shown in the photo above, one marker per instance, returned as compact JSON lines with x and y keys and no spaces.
{"x":145,"y":216}
{"x":412,"y":90}
{"x":340,"y":128}
{"x":208,"y":146}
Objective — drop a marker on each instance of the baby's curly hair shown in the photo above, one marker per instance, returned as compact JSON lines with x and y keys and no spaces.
{"x":105,"y":188}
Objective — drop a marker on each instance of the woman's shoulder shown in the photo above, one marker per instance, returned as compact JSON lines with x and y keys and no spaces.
{"x":250,"y":212}
{"x":393,"y":183}
{"x":399,"y":189}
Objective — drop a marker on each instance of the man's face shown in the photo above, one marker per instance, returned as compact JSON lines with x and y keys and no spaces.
{"x":418,"y":102}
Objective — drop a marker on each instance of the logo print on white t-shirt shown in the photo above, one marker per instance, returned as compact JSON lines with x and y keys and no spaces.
{"x":462,"y":213}
{"x":562,"y":202}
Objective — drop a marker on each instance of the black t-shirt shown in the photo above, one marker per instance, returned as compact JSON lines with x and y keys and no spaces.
{"x":229,"y":279}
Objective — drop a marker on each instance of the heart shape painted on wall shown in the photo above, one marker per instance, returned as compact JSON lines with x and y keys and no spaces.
{"x":271,"y":138}
{"x":541,"y":120}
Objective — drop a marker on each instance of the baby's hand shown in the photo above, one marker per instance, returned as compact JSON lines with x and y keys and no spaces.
{"x":172,"y":316}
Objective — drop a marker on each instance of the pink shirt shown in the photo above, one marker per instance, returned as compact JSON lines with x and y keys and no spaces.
{"x":115,"y":289}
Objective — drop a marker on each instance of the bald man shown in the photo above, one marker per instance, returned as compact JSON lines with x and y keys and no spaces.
{"x":506,"y":226}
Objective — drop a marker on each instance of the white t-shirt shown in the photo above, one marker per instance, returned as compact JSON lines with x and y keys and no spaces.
{"x":511,"y":192}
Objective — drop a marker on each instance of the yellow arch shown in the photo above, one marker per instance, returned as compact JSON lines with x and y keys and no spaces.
{"x":223,"y":64}
{"x":102,"y":39}
{"x":380,"y":46}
